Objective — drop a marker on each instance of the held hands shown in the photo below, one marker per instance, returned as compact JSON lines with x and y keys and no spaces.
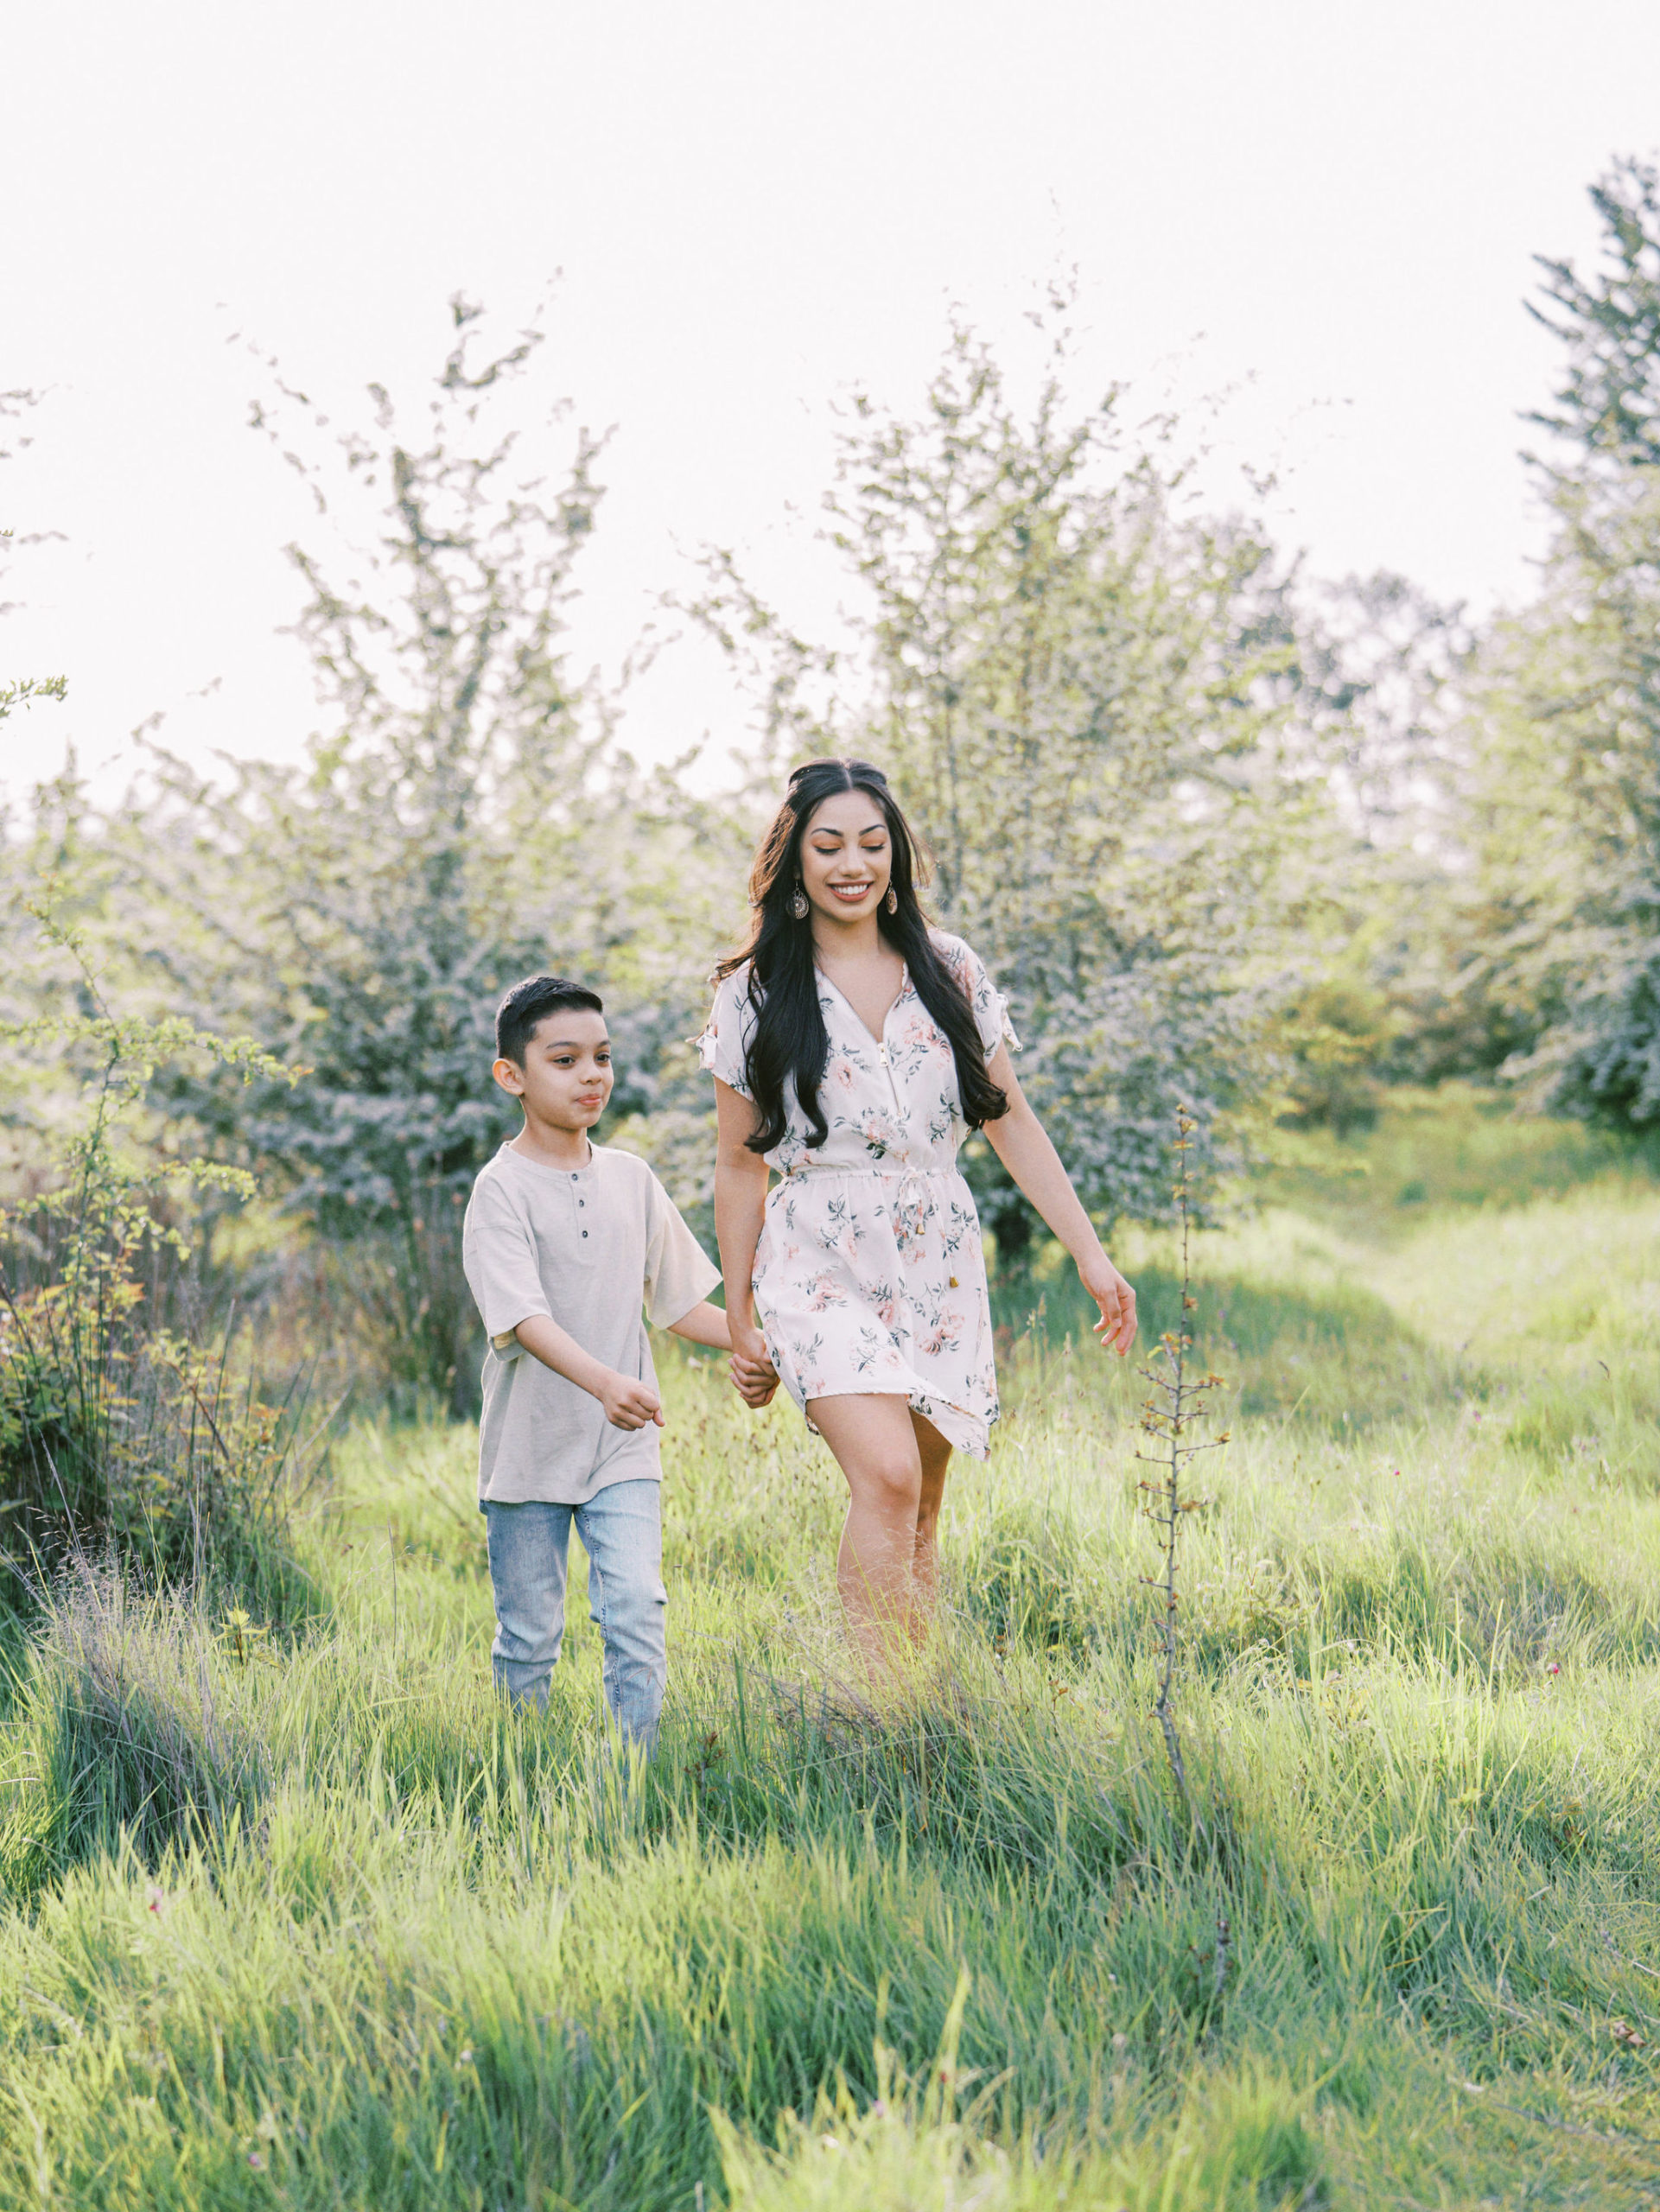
{"x":753,"y":1375}
{"x":628,"y":1402}
{"x":1116,"y":1326}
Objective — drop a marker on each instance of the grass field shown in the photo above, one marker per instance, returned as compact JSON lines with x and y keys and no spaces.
{"x":299,"y":1916}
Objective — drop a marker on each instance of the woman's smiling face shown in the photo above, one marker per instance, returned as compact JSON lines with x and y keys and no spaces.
{"x":847,"y":856}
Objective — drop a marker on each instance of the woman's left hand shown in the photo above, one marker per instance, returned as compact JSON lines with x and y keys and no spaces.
{"x":1115,"y":1299}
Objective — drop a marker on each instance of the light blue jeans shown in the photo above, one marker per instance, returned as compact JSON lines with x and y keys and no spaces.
{"x":622,"y":1533}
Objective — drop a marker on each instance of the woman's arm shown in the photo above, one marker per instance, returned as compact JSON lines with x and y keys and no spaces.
{"x":1019,"y":1141}
{"x":739,"y":1207}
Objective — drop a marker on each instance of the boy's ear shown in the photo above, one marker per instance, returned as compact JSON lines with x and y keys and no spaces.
{"x":509,"y":1075}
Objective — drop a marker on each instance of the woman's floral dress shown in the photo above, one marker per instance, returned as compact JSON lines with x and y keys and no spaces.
{"x":869,"y":1275}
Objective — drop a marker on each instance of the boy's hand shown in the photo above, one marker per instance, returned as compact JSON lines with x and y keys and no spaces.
{"x":628,"y":1402}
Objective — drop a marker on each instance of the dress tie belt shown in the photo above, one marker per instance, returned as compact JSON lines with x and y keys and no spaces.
{"x":911,"y":1200}
{"x":825,"y":1168}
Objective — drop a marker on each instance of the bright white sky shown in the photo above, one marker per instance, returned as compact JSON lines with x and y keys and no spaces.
{"x":755,"y":204}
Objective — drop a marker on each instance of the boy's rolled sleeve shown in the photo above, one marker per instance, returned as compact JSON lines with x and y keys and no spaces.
{"x":679,"y":1274}
{"x":498,"y":1259}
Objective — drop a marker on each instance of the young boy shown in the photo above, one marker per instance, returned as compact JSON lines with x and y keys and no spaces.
{"x":565,"y":1242}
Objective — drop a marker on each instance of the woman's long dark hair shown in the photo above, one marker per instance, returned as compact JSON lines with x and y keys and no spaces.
{"x":790,"y":1039}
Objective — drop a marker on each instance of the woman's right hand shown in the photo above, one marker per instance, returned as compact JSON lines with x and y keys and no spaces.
{"x":740,"y":1215}
{"x":753,"y":1375}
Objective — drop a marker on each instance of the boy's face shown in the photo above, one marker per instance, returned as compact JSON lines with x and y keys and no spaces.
{"x":567,"y":1076}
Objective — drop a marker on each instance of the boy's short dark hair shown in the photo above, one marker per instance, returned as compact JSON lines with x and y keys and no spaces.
{"x":532,"y":1002}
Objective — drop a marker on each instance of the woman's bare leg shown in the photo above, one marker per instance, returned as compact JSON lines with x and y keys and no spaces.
{"x":877,"y":1448}
{"x":935,"y":1454}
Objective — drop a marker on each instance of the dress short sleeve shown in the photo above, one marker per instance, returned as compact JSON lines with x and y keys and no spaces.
{"x":990,"y":1006}
{"x":679,"y":1274}
{"x":725,"y":1041}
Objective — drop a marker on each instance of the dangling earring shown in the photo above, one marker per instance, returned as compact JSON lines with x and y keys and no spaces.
{"x":798,"y":904}
{"x":892,"y":901}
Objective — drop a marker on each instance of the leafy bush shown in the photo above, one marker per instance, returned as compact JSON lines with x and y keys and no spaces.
{"x":1084,"y":696}
{"x":463,"y":821}
{"x":116,"y":1432}
{"x":113,"y":1435}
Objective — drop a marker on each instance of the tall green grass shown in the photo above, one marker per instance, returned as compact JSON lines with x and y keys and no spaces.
{"x":306,"y":1918}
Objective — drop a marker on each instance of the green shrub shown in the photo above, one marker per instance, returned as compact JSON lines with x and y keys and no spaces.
{"x":116,"y":1434}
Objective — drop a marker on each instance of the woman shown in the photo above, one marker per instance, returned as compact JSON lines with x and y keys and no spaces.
{"x":853,"y":1048}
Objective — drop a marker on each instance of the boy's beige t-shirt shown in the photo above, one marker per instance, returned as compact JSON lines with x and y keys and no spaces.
{"x":590,"y":1248}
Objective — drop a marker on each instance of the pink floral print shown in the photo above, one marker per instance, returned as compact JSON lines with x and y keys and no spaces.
{"x":870,"y":1273}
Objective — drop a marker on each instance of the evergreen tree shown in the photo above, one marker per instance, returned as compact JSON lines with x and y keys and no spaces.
{"x":1568,"y":806}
